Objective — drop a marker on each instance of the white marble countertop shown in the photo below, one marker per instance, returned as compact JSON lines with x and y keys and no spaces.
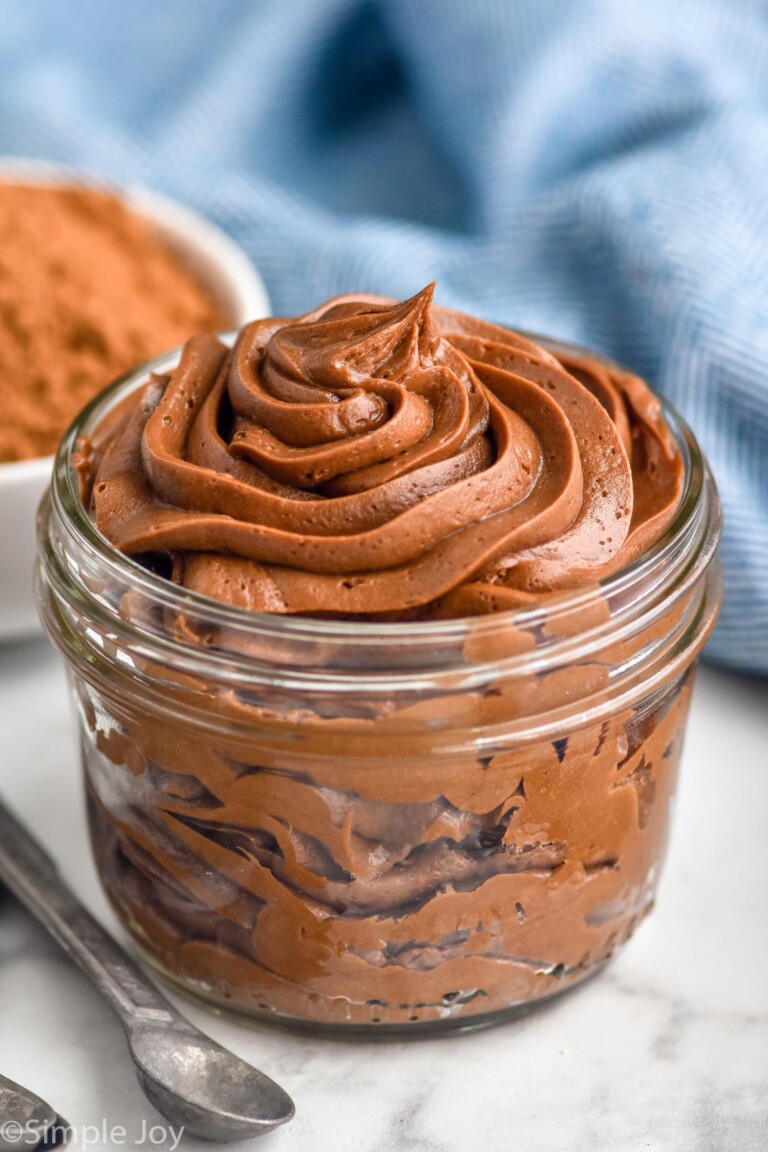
{"x":667,"y":1050}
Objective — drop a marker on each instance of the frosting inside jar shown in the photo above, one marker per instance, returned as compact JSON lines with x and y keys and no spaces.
{"x":383,"y":460}
{"x":353,"y":856}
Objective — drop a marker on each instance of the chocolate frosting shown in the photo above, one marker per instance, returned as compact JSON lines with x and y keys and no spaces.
{"x":386,"y":460}
{"x":300,"y":878}
{"x":347,"y":857}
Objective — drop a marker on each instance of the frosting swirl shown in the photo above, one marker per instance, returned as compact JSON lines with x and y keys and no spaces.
{"x":386,"y":460}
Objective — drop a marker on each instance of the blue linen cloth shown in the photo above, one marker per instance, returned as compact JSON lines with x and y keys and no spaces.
{"x":592,"y":169}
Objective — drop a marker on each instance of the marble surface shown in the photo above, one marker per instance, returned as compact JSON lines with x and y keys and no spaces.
{"x":667,"y":1050}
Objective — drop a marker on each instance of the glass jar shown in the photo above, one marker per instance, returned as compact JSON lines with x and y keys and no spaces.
{"x":377,"y":826}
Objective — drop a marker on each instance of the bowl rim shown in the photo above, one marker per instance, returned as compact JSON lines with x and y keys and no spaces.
{"x":16,"y":471}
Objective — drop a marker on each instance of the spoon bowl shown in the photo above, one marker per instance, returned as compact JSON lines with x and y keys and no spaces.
{"x":200,"y":1086}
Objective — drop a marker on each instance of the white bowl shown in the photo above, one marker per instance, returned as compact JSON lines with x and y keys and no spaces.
{"x":220,"y":265}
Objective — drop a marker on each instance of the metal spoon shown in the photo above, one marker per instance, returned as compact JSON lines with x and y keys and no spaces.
{"x":25,"y":1119}
{"x":193,"y":1081}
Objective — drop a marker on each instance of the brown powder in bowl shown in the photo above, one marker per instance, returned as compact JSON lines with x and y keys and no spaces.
{"x":87,"y":291}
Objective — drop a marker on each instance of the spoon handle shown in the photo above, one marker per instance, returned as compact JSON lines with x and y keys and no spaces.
{"x":31,"y":875}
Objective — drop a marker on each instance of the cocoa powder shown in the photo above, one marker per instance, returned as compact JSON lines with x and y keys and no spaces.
{"x":87,"y":291}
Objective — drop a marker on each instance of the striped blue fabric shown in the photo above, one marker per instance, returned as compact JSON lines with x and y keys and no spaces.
{"x":593,"y":169}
